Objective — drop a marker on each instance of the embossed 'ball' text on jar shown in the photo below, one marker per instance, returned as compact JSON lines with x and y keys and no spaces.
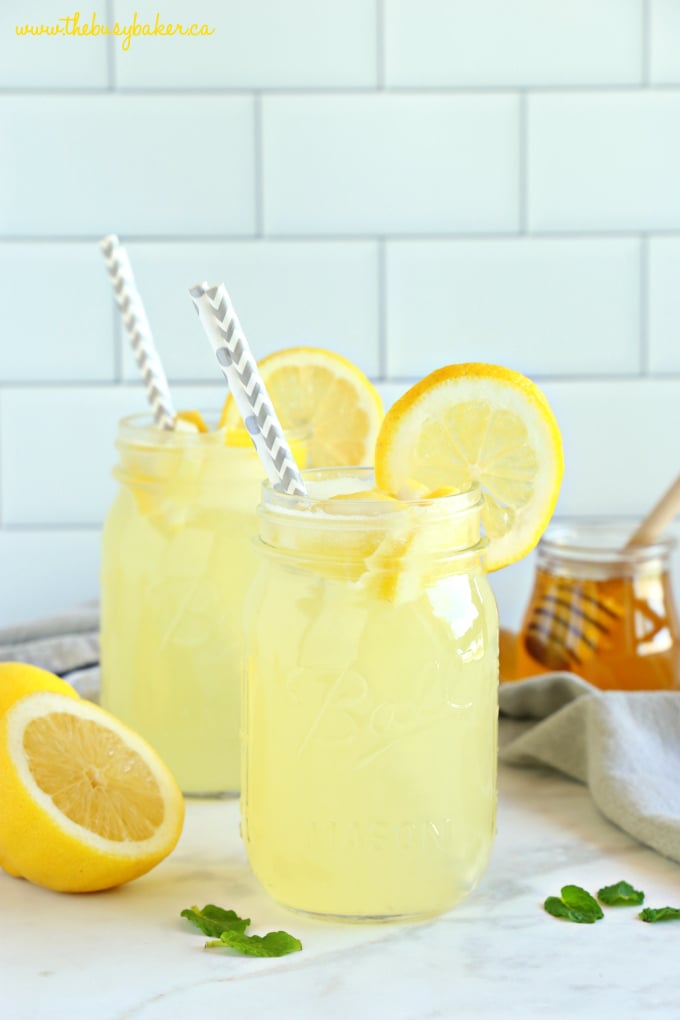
{"x":370,"y":701}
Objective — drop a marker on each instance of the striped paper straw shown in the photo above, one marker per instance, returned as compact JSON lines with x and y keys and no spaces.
{"x":220,"y":322}
{"x":138,"y":331}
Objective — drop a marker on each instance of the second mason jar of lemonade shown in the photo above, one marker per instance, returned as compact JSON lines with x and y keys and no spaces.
{"x":370,"y":715}
{"x":177,"y":559}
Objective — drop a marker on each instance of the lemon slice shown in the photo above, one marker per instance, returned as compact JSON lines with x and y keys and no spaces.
{"x":86,"y":803}
{"x":324,"y":393}
{"x":484,"y":424}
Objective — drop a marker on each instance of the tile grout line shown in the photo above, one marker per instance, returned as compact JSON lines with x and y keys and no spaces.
{"x":110,"y":54}
{"x":382,"y":309}
{"x":645,"y":62}
{"x":434,"y":237}
{"x":348,"y":90}
{"x":599,"y":378}
{"x":644,"y":308}
{"x":523,"y":175}
{"x":258,"y":165}
{"x":380,"y":45}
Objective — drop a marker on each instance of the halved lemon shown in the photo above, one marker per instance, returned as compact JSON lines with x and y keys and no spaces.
{"x":319,"y":391}
{"x":86,"y":803}
{"x":477,"y":423}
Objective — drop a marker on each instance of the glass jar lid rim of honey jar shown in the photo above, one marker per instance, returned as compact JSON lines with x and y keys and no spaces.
{"x":588,"y":545}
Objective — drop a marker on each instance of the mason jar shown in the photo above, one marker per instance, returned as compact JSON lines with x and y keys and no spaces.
{"x":601,"y":609}
{"x":177,"y":559}
{"x":370,"y":701}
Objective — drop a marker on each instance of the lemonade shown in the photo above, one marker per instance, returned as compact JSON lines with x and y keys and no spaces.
{"x":177,"y":559}
{"x":371,"y":701}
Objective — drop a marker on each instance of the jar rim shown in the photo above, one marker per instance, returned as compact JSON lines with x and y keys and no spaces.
{"x":276,"y":500}
{"x":140,"y":429}
{"x":600,"y":540}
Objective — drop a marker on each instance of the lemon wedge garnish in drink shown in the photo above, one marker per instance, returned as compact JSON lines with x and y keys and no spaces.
{"x":484,"y":424}
{"x":86,"y":803}
{"x":190,"y":421}
{"x":319,"y":391}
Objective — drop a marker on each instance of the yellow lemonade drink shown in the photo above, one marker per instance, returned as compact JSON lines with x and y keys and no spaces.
{"x":370,"y":708}
{"x":177,"y":558}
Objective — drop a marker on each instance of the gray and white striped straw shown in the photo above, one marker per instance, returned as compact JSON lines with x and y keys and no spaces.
{"x":139,"y":331}
{"x":220,"y":322}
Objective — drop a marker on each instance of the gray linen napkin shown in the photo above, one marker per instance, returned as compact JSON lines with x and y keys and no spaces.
{"x":66,"y":644}
{"x":624,"y":745}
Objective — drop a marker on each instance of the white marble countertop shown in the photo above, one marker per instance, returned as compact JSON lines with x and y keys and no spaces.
{"x":127,"y":955}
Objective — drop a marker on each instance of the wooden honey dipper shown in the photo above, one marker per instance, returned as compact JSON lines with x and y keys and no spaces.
{"x":658,"y":518}
{"x":568,"y":623}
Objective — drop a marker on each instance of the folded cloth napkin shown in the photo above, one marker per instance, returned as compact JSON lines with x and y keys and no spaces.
{"x":66,"y":644}
{"x":624,"y":745}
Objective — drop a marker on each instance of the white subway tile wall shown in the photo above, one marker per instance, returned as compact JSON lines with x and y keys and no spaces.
{"x":486,"y":43}
{"x":409,"y":182}
{"x":288,"y":292}
{"x":545,"y":306}
{"x":607,"y":161}
{"x":380,"y":163}
{"x":665,"y":42}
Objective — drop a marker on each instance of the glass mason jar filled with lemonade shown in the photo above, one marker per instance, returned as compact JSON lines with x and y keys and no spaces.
{"x":177,"y":559}
{"x":370,"y":703}
{"x":179,"y":555}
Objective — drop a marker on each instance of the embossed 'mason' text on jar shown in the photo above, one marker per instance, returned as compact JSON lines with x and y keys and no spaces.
{"x":370,"y":702}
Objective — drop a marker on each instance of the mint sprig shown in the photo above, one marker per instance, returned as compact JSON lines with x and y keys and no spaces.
{"x":621,"y":894}
{"x":653,"y":914}
{"x":275,"y":943}
{"x":575,"y":904}
{"x":228,"y":931}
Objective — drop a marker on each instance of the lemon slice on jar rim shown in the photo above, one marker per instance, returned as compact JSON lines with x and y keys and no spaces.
{"x":477,"y":423}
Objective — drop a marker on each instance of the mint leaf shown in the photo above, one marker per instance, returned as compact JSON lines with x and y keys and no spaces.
{"x":576,"y":905}
{"x":276,"y":943}
{"x":652,"y":914}
{"x":578,"y":899}
{"x":558,"y":908}
{"x":214,"y":920}
{"x":621,"y":894}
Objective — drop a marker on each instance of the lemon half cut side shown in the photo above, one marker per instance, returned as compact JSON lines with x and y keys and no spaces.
{"x":478,"y":423}
{"x":86,"y":803}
